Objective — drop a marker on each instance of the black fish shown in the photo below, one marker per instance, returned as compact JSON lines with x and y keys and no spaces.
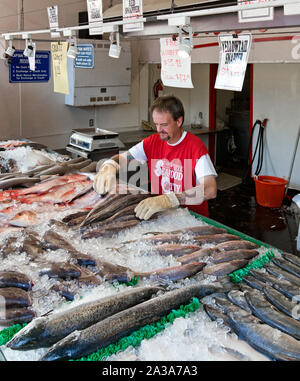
{"x":15,"y":279}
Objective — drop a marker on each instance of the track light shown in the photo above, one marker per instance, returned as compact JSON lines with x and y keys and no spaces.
{"x":73,"y":51}
{"x":185,"y":45}
{"x":28,"y":51}
{"x":10,"y":50}
{"x":115,"y":48}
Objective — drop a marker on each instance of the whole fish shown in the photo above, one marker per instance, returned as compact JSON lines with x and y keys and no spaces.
{"x":32,"y":246}
{"x":112,"y":272}
{"x":111,"y":329}
{"x":176,"y":250}
{"x":75,"y":215}
{"x":271,"y":316}
{"x":287,"y":266}
{"x":61,"y":193}
{"x":291,"y":258}
{"x":173,"y":273}
{"x":195,"y":256}
{"x":261,"y":336}
{"x":88,"y":200}
{"x":13,"y":316}
{"x":54,"y":170}
{"x":15,"y":279}
{"x":224,"y":268}
{"x":12,"y":182}
{"x":215,"y":238}
{"x":61,"y":270}
{"x":24,"y":219}
{"x":254,"y":282}
{"x":216,"y":313}
{"x":76,"y":166}
{"x":279,"y":272}
{"x":235,"y":245}
{"x":90,"y":167}
{"x":59,"y":224}
{"x":200,"y":230}
{"x":47,"y":330}
{"x":109,"y":230}
{"x":56,"y":241}
{"x":280,"y":302}
{"x":230,"y":255}
{"x":15,"y":297}
{"x":237,"y":297}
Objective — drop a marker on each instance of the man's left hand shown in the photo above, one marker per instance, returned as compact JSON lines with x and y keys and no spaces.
{"x":146,"y":208}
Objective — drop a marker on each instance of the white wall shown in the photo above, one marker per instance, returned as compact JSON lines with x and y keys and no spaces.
{"x":277,"y":97}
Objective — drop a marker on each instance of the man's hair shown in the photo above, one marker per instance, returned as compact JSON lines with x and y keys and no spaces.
{"x":169,"y":103}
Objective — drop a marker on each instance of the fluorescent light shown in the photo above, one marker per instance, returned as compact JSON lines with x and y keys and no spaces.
{"x":185,"y":48}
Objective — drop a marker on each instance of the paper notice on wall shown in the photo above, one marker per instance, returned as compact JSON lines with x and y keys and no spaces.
{"x":259,"y":14}
{"x":95,"y":16}
{"x":59,"y":67}
{"x":133,"y":11}
{"x":175,"y":70}
{"x":234,"y":53}
{"x":31,"y":59}
{"x":53,"y":20}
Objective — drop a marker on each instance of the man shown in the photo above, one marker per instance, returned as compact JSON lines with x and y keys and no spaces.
{"x":180,"y":168}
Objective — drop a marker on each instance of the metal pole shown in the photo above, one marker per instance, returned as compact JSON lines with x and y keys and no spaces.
{"x":293,"y":160}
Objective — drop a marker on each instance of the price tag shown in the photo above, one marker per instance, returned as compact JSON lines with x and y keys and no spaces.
{"x":259,"y":14}
{"x":53,"y":16}
{"x":133,"y":10}
{"x":95,"y":16}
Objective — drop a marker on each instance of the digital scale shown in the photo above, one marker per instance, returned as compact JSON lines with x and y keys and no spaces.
{"x":85,"y":141}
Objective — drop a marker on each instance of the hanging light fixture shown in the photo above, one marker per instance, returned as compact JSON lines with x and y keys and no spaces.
{"x":28,"y":51}
{"x":115,"y":48}
{"x":185,"y":44}
{"x":73,"y":51}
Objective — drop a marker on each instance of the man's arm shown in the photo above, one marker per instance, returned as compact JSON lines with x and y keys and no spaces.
{"x":206,"y":190}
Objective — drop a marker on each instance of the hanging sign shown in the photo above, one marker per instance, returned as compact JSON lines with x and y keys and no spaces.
{"x":53,"y":20}
{"x":85,"y":56}
{"x":59,"y":67}
{"x":20,"y":71}
{"x":234,"y":53}
{"x":31,"y":59}
{"x":175,"y":70}
{"x":259,"y":14}
{"x":95,"y":17}
{"x":133,"y":10}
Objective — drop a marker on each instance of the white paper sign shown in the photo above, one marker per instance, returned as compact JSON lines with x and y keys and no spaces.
{"x":292,"y":9}
{"x":234,"y":53}
{"x":95,"y":16}
{"x":53,"y":16}
{"x":259,"y":14}
{"x":133,"y":10}
{"x":32,"y":58}
{"x":175,"y":70}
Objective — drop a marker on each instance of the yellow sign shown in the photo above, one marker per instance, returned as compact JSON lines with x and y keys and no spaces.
{"x":59,"y":67}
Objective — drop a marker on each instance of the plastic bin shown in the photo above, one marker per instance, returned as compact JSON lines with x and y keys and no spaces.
{"x":269,"y":190}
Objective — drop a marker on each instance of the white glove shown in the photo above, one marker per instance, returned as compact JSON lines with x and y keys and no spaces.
{"x":146,"y":208}
{"x":105,"y":180}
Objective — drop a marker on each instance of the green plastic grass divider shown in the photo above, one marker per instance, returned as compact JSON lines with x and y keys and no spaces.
{"x":8,"y":333}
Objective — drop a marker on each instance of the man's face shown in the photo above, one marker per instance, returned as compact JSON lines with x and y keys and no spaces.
{"x":167,"y":128}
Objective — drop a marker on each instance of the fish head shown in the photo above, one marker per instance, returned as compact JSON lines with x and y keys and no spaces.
{"x":64,"y":349}
{"x":27,"y":337}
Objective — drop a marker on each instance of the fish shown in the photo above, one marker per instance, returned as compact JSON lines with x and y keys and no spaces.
{"x":86,"y":201}
{"x":73,"y":216}
{"x":90,"y":167}
{"x":45,"y":331}
{"x":235,"y":245}
{"x":261,"y":336}
{"x":32,"y":246}
{"x":24,"y":219}
{"x":254,"y":282}
{"x":280,"y":302}
{"x":15,"y":279}
{"x":109,"y":230}
{"x":76,"y":166}
{"x":266,"y":312}
{"x":13,"y":316}
{"x":224,"y":268}
{"x":287,"y":266}
{"x":279,"y":272}
{"x":59,"y":224}
{"x":61,"y":193}
{"x":107,"y":331}
{"x":54,"y":170}
{"x":200,"y":230}
{"x":61,"y":270}
{"x":291,"y":258}
{"x":15,"y":297}
{"x":113,"y":272}
{"x":64,"y":291}
{"x":22,"y":180}
{"x":56,"y":241}
{"x":173,"y":273}
{"x":176,"y":250}
{"x":196,"y":255}
{"x":230,"y":255}
{"x":238,"y":298}
{"x":215,"y":238}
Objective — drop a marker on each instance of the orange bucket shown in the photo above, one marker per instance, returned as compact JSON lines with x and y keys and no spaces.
{"x":269,"y":190}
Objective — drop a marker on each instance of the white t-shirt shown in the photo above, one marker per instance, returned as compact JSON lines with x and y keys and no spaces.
{"x":204,"y":166}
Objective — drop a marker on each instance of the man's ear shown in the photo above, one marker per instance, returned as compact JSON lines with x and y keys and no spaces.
{"x":179,"y":121}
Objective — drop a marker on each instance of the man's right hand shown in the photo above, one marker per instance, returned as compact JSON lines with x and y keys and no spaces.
{"x":106,"y":178}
